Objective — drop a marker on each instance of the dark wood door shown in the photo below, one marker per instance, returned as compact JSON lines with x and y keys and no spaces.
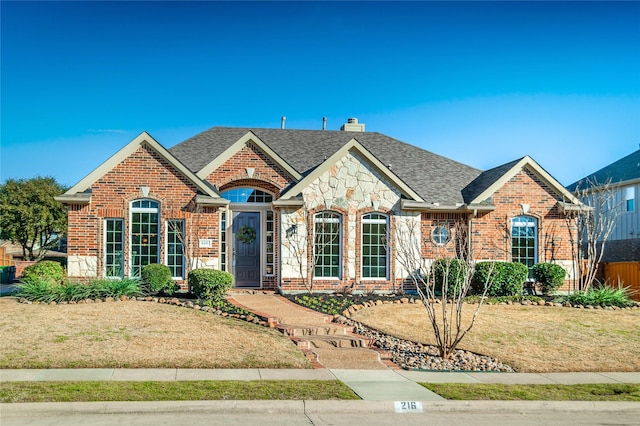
{"x":247,"y":253}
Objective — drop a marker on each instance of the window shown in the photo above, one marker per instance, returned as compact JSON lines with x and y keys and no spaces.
{"x":524,"y":241}
{"x":629,"y":196}
{"x":326,"y":250}
{"x":175,"y":248}
{"x":223,"y":241}
{"x":113,"y":246}
{"x":144,"y":235}
{"x":270,"y":243}
{"x":247,"y":195}
{"x":374,"y":246}
{"x":440,"y":235}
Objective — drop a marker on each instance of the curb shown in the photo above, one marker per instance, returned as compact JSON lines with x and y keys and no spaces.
{"x":310,"y":407}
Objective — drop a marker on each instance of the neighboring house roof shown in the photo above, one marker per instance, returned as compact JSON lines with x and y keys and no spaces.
{"x":78,"y":193}
{"x":619,"y":172}
{"x":433,"y":177}
{"x":482,"y":188}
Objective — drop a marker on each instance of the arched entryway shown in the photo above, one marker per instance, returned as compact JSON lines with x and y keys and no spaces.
{"x":249,"y":236}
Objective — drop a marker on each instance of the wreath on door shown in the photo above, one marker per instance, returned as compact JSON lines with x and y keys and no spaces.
{"x":246,"y":234}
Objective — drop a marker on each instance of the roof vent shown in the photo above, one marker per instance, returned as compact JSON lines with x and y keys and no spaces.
{"x":352,"y":125}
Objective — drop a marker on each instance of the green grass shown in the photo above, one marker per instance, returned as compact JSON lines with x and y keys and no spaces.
{"x":500,"y":392}
{"x":11,"y":392}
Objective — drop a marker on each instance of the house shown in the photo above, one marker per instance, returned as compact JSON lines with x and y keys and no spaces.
{"x":623,"y":176}
{"x":285,"y":209}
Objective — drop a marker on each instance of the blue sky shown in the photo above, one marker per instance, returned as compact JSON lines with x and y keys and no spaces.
{"x":482,"y":83}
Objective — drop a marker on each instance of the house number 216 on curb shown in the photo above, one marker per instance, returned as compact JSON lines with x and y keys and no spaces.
{"x":408,"y":406}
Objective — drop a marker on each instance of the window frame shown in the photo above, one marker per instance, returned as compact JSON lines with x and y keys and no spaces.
{"x":145,"y":208}
{"x":169,"y":231}
{"x":381,"y":219}
{"x":630,"y":199}
{"x":321,"y":218}
{"x":534,"y":260}
{"x":436,"y":237}
{"x":106,"y":241}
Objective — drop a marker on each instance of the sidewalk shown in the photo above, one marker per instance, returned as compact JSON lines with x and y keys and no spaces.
{"x":372,"y":385}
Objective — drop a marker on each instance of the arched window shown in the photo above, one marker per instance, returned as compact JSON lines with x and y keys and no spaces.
{"x":374,"y":247}
{"x":247,"y":195}
{"x":145,"y":242}
{"x":524,"y":241}
{"x":327,"y":247}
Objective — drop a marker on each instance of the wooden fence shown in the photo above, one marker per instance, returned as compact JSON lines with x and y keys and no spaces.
{"x":625,"y":272}
{"x":5,"y":259}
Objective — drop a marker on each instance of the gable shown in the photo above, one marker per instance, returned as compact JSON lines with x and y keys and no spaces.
{"x":248,"y":140}
{"x":481,"y":189}
{"x":353,"y":147}
{"x":143,"y":142}
{"x":250,"y":163}
{"x":352,"y":183}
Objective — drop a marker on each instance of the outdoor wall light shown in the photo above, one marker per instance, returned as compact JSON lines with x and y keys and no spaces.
{"x":293,"y":230}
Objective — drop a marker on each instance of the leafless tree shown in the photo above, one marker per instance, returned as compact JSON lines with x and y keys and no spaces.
{"x":307,"y":246}
{"x":442,"y":284}
{"x":594,"y":224}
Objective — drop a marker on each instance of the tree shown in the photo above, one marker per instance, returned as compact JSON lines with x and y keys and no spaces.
{"x":307,"y":243}
{"x":441,"y":285}
{"x":30,"y":216}
{"x":595,"y":222}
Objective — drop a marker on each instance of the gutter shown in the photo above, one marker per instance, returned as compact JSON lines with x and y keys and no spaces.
{"x":411,"y":205}
{"x":208,"y":201}
{"x":77,"y":199}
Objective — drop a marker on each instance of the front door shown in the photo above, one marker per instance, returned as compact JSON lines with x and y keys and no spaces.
{"x":246,"y":240}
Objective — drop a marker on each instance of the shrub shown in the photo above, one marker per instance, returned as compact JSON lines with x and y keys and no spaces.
{"x":505,"y":278}
{"x":38,"y":289}
{"x":550,"y":276}
{"x":45,"y":269}
{"x":604,"y":296}
{"x":115,"y":288}
{"x":210,"y":283}
{"x":157,"y":278}
{"x":451,"y":271}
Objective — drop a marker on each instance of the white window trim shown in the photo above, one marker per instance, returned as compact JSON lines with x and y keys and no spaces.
{"x":104,"y":247}
{"x":166,"y":247}
{"x":133,"y":210}
{"x":433,"y":235}
{"x":384,"y":221}
{"x":529,"y":224}
{"x":337,"y":218}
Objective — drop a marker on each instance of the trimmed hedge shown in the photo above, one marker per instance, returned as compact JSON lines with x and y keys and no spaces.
{"x":506,"y":278}
{"x":451,"y":270}
{"x":550,"y":276}
{"x":210,"y":284}
{"x":157,"y":278}
{"x":45,"y":269}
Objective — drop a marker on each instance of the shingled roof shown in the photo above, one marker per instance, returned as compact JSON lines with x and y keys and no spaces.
{"x":623,"y":170}
{"x":435,"y":178}
{"x":485,"y":180}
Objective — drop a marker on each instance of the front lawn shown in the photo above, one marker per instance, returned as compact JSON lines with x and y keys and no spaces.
{"x":529,"y":338}
{"x":136,"y":334}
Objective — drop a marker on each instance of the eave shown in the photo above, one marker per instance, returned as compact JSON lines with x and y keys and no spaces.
{"x":207,"y":201}
{"x":74,"y":199}
{"x":410,"y":205}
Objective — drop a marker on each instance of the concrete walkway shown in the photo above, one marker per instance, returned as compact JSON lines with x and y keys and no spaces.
{"x":325,"y":343}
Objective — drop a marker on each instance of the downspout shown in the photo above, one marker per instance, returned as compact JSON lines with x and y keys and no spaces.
{"x":470,"y":231}
{"x":279,"y":252}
